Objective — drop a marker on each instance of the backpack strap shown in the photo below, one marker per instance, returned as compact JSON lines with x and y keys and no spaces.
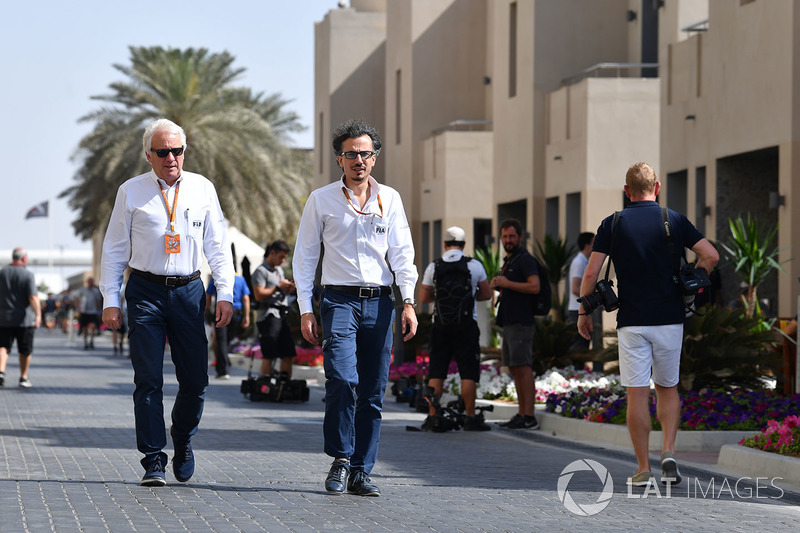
{"x":614,"y":225}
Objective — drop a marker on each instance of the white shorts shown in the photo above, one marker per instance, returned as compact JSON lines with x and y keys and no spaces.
{"x":642,"y":348}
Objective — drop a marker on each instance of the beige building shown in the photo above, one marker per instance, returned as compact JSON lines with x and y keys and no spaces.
{"x":535,"y":108}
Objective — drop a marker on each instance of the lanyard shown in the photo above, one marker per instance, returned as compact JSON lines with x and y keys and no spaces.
{"x":347,"y":195}
{"x":171,"y":212}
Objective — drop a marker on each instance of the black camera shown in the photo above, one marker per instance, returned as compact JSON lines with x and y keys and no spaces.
{"x":603,"y":295}
{"x":692,"y":280}
{"x":276,"y":387}
{"x":450,"y":417}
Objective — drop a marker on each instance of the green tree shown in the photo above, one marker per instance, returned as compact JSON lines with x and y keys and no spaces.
{"x":752,"y":254}
{"x":554,"y":255}
{"x":236,"y":138}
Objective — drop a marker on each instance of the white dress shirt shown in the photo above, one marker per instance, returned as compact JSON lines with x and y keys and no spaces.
{"x":139,"y":221}
{"x":359,"y":249}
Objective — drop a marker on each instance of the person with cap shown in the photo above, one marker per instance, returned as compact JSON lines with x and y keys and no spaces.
{"x":454,"y":284}
{"x":367,"y":240}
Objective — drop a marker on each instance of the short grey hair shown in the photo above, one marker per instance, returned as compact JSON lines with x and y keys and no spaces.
{"x":157,"y":125}
{"x":19,"y":253}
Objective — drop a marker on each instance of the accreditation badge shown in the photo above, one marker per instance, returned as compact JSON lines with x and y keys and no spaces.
{"x":172,"y":242}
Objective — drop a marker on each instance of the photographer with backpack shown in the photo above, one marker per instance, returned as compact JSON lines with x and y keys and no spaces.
{"x":518,"y":282}
{"x":454,"y":283}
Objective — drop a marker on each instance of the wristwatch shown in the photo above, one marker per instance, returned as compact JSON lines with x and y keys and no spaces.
{"x":410,"y":301}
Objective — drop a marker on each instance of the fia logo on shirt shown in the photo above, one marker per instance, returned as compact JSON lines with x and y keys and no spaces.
{"x":197,"y":224}
{"x":380,"y":230}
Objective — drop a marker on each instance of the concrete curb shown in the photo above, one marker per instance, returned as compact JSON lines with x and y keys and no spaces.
{"x":757,"y":463}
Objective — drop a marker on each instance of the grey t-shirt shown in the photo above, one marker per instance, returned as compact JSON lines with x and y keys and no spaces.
{"x":17,"y":285}
{"x":268,"y":277}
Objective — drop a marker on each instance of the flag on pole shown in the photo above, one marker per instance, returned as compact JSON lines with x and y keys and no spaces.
{"x":39,"y":210}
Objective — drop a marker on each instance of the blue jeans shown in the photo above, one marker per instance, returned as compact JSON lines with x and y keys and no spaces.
{"x":357,"y":346}
{"x":157,"y":313}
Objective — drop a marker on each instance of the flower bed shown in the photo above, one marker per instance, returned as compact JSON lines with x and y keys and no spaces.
{"x":778,"y":437}
{"x":305,"y":356}
{"x":710,"y":410}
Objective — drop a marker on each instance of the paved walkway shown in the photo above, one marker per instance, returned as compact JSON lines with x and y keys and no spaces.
{"x":68,"y":463}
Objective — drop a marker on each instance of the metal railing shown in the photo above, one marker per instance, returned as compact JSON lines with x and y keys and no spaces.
{"x":699,"y":26}
{"x":464,"y":124}
{"x":614,"y":69}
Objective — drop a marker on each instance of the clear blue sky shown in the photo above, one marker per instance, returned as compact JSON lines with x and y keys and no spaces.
{"x":55,"y":55}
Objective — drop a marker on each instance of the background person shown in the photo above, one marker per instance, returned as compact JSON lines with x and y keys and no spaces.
{"x":90,"y":307}
{"x":20,"y":314}
{"x":518,"y":280}
{"x":576,"y":270}
{"x":651,"y":311}
{"x":271,"y":289}
{"x":162,"y":224}
{"x":455,"y":333}
{"x":364,"y":229}
{"x":240,"y":321}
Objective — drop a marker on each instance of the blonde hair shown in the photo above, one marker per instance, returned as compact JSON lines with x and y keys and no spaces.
{"x":641,"y":180}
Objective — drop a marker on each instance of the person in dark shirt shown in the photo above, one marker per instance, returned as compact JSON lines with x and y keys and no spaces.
{"x":651,"y":310}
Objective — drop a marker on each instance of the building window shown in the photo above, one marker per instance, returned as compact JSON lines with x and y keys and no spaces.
{"x":437,"y":238}
{"x":426,"y":244}
{"x":321,"y":141}
{"x":512,"y":50}
{"x":551,"y":213}
{"x":398,"y":104}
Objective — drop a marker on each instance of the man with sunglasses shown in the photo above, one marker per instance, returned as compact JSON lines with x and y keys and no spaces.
{"x":162,"y":224}
{"x":367,"y":243}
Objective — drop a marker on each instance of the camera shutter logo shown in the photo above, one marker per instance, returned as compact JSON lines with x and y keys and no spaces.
{"x":587,"y":509}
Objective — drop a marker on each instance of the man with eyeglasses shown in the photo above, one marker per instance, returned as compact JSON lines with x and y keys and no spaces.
{"x":162,"y":224}
{"x":367,"y":243}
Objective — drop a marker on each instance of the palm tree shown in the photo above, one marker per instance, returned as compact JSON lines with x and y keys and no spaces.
{"x":555,"y":255}
{"x":235,"y":138}
{"x":751,"y":256}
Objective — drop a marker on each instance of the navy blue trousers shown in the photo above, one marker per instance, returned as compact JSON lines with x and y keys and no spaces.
{"x":356,"y":346}
{"x":157,"y":313}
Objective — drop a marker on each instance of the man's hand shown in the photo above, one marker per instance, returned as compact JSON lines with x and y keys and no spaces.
{"x":112,"y":317}
{"x":408,"y":321}
{"x":498,"y":282}
{"x":585,"y":326}
{"x":309,"y":328}
{"x":224,"y":313}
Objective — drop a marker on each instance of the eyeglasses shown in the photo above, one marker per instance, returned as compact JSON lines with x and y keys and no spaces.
{"x":163,"y":152}
{"x":364,"y":155}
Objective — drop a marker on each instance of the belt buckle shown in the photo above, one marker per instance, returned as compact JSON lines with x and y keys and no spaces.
{"x":365,"y":292}
{"x":172,"y":281}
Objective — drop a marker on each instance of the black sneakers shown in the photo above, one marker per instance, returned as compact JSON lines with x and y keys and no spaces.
{"x":2,"y":379}
{"x":476,"y":423}
{"x":519,"y":421}
{"x":337,"y":477}
{"x":183,"y":460}
{"x":360,"y":484}
{"x":154,"y":476}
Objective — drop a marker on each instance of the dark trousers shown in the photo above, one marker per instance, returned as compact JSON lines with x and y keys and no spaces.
{"x":157,"y":313}
{"x":357,"y":347}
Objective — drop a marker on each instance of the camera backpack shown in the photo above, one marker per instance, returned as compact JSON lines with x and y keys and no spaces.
{"x":543,"y":300}
{"x":453,"y":299}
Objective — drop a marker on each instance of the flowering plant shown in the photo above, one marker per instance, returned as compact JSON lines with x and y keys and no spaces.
{"x":492,"y":385}
{"x":308,"y":356}
{"x":416,"y":369}
{"x":778,"y":437}
{"x":708,"y":410}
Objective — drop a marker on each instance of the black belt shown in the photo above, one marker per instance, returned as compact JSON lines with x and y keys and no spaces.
{"x":361,"y":292}
{"x":169,"y":281}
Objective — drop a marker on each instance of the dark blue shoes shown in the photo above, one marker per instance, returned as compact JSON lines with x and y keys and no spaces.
{"x":183,"y":460}
{"x":154,"y":476}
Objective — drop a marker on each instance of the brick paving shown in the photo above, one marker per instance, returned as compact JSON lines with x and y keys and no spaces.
{"x":68,"y":462}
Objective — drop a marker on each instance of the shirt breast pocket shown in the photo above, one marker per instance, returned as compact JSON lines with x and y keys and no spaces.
{"x":195,"y":223}
{"x":379,"y":234}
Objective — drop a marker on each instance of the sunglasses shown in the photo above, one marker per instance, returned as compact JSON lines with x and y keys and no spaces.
{"x":364,"y":155}
{"x":163,"y":152}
